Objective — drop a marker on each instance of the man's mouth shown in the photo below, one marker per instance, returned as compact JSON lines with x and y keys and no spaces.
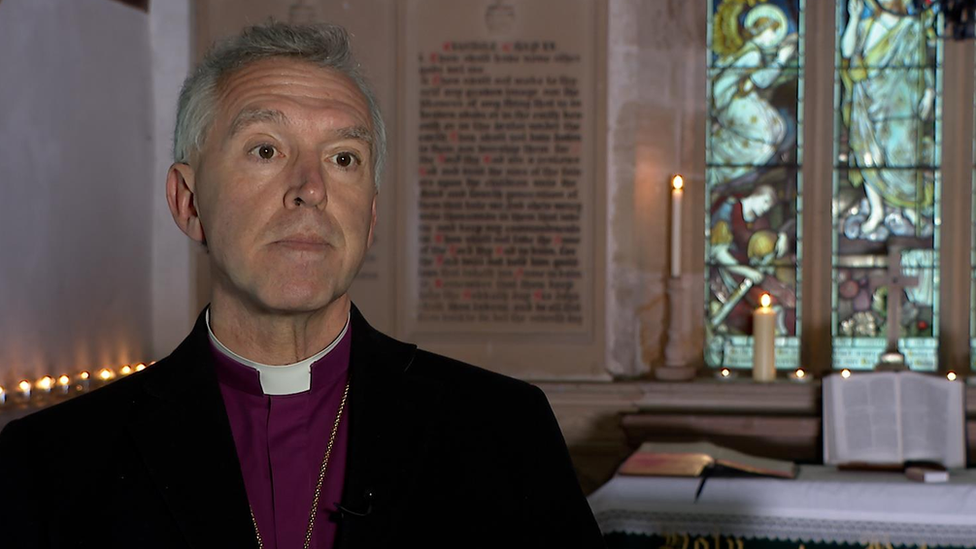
{"x":303,"y":242}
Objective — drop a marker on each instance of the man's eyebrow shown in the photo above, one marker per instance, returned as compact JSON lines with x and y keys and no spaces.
{"x":360,"y":133}
{"x":252,"y":116}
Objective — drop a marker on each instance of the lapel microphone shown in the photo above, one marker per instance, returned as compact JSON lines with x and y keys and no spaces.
{"x":367,"y":503}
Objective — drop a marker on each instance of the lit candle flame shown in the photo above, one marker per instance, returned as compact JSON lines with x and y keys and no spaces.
{"x":64,"y":380}
{"x":677,"y":182}
{"x":951,"y":376}
{"x":845,"y":373}
{"x":105,"y":374}
{"x":765,"y":301}
{"x":726,"y":372}
{"x":140,"y":367}
{"x":800,"y":374}
{"x":126,"y":370}
{"x":84,"y":375}
{"x":25,"y":386}
{"x":45,"y":383}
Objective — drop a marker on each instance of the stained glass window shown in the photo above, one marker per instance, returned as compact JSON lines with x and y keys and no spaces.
{"x":887,"y":181}
{"x":972,"y":264}
{"x":753,"y":157}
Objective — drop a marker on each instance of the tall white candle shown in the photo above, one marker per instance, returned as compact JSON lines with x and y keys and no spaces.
{"x":763,"y":340}
{"x":677,"y":191}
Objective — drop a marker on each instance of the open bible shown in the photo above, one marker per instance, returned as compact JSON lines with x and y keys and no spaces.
{"x":889,"y":418}
{"x":697,"y":459}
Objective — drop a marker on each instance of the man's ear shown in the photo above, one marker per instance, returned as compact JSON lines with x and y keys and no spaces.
{"x":372,"y":223}
{"x":180,"y":195}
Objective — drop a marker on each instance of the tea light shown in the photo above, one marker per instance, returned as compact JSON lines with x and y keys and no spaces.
{"x":106,"y":374}
{"x":800,"y":376}
{"x":25,"y":389}
{"x":83,"y":382}
{"x":126,"y":370}
{"x":845,"y":373}
{"x":140,"y":367}
{"x":725,"y":374}
{"x":3,"y":395}
{"x":64,"y":385}
{"x":951,"y":376}
{"x":44,"y":385}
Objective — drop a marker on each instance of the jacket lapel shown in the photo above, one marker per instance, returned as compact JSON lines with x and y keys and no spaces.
{"x":182,"y":431}
{"x":391,"y":409}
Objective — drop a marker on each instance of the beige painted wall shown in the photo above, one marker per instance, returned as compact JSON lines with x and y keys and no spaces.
{"x":74,"y":242}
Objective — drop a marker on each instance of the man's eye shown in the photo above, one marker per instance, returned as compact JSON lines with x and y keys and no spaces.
{"x":345,"y":160}
{"x":265,"y":152}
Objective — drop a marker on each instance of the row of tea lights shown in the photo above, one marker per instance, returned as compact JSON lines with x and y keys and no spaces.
{"x":802,"y":376}
{"x":66,"y":385}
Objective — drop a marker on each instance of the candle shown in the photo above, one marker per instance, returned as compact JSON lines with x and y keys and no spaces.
{"x":725,"y":374}
{"x":677,"y":191}
{"x":800,"y":376}
{"x":64,"y":384}
{"x":126,"y":370}
{"x":140,"y":367}
{"x":3,"y":396}
{"x":25,"y":390}
{"x":44,"y":385}
{"x":105,"y":375}
{"x":83,"y":382}
{"x":763,"y":339}
{"x":951,"y":376}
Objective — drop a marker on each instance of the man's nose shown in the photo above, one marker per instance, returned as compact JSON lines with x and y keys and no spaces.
{"x":308,"y":188}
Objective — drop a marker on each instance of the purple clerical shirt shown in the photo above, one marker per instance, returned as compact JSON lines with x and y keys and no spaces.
{"x":280,"y":442}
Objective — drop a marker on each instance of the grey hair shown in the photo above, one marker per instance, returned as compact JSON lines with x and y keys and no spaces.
{"x":324,"y":45}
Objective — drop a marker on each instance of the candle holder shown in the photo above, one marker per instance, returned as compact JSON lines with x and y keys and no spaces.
{"x":676,"y":360}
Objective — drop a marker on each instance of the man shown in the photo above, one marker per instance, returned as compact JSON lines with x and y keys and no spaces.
{"x":284,"y":420}
{"x":749,"y":258}
{"x":885,"y":109}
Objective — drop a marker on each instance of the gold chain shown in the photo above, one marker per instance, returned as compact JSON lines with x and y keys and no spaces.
{"x":318,"y":486}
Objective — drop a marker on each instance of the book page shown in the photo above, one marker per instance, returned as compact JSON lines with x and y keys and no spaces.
{"x":652,"y":457}
{"x":932,"y":418}
{"x":862,"y":424}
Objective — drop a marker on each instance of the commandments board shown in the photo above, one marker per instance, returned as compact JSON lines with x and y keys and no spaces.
{"x":498,"y":164}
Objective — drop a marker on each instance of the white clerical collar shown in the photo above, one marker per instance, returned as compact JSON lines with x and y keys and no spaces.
{"x":280,"y":380}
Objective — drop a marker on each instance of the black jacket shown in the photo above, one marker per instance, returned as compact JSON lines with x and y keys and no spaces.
{"x":441,"y":454}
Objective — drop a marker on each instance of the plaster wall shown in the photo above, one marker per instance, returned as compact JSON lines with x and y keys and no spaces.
{"x":172,"y":281}
{"x":75,"y":123}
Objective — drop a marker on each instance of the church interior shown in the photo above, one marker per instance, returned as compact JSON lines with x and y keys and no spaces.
{"x":685,"y":220}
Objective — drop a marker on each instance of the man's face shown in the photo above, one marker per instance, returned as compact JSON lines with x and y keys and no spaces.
{"x":284,"y":186}
{"x":762,"y":203}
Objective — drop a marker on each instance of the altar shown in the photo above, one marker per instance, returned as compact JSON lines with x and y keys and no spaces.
{"x":821,"y":506}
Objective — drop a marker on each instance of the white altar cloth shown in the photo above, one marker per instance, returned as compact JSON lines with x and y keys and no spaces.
{"x":820,"y":505}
